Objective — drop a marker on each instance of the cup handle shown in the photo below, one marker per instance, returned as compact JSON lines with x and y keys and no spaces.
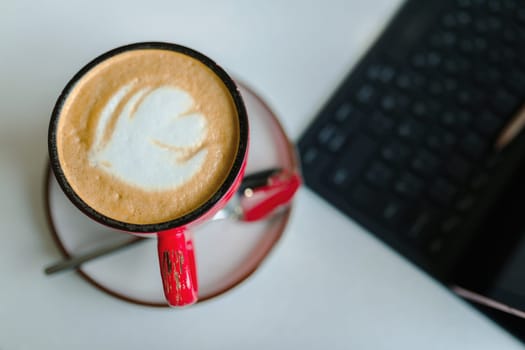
{"x":177,"y":266}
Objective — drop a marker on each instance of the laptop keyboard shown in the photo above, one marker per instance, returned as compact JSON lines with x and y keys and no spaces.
{"x":405,"y":146}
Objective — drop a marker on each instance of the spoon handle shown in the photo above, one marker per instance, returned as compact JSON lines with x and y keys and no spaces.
{"x":258,"y":179}
{"x":75,"y":262}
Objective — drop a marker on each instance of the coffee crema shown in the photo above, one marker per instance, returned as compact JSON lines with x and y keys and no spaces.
{"x":147,"y":136}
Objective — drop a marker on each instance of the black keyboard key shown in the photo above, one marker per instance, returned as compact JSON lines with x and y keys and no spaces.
{"x":410,"y":80}
{"x":379,"y":124}
{"x":344,"y":111}
{"x":422,"y":223}
{"x":505,"y":103}
{"x":455,"y":119}
{"x":480,"y":45}
{"x":353,"y":160}
{"x":331,"y":138}
{"x":510,"y":55}
{"x":436,"y":247}
{"x":449,"y":21}
{"x":466,"y":4}
{"x":425,"y":163}
{"x":387,"y":74}
{"x":463,"y":18}
{"x":449,"y":225}
{"x":396,"y":152}
{"x":366,"y":94}
{"x":516,"y":80}
{"x":510,"y":6}
{"x":465,"y":203}
{"x":351,"y":122}
{"x":340,"y":178}
{"x":313,"y":158}
{"x":337,"y":142}
{"x":469,"y":96}
{"x":458,"y":168}
{"x":473,"y":146}
{"x":379,"y":174}
{"x":436,"y":87}
{"x":520,"y":15}
{"x":510,"y":36}
{"x":426,"y":110}
{"x":327,"y":133}
{"x":420,"y":109}
{"x":467,"y":45}
{"x":426,"y":59}
{"x":456,"y":65}
{"x":373,"y":71}
{"x":413,"y":221}
{"x":381,"y":72}
{"x":394,"y":213}
{"x":368,"y":199}
{"x":402,"y":101}
{"x":479,"y":181}
{"x":440,"y":140}
{"x":502,"y":56}
{"x":488,"y":124}
{"x":487,"y":23}
{"x":451,"y":85}
{"x":495,"y":24}
{"x":493,"y":160}
{"x":481,"y":25}
{"x":445,"y":39}
{"x":433,"y":59}
{"x":403,"y":81}
{"x":409,"y":185}
{"x":442,"y":191}
{"x":496,"y":6}
{"x":488,"y":75}
{"x":388,"y":103}
{"x":411,"y":130}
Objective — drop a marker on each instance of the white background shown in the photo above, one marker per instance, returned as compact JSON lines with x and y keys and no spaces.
{"x":328,"y":284}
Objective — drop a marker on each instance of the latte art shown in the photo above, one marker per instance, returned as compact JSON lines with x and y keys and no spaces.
{"x":164,"y":139}
{"x":147,"y":135}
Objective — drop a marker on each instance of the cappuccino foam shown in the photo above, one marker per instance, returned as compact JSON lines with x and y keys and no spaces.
{"x":147,"y":136}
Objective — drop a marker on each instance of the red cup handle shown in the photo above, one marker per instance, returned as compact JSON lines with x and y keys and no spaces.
{"x":177,"y":267}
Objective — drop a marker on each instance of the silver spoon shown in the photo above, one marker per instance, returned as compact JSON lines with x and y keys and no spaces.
{"x":232,"y":210}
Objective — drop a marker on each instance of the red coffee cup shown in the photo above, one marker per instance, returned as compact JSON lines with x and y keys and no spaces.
{"x":175,"y":244}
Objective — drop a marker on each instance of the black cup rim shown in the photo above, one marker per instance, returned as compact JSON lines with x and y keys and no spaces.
{"x":189,"y":217}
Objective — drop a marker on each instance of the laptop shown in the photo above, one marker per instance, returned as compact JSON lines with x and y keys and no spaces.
{"x":422,"y":145}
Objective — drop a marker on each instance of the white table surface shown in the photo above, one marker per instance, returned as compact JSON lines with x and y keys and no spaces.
{"x":327,"y":285}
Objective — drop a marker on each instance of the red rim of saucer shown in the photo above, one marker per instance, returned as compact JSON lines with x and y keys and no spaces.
{"x":282,"y":224}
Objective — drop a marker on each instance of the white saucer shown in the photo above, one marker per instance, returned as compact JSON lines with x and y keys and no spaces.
{"x":227,"y":251}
